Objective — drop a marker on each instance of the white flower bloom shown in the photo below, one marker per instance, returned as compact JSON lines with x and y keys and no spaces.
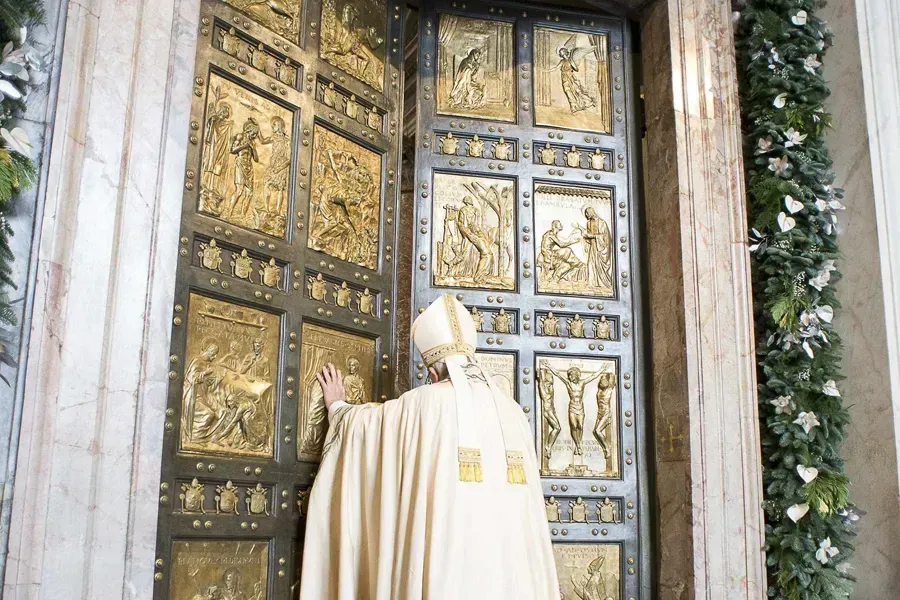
{"x":794,"y":137}
{"x":780,"y":100}
{"x":830,"y":389}
{"x":800,"y":18}
{"x":782,"y":405}
{"x":811,"y":63}
{"x":828,"y":265}
{"x":764,"y":145}
{"x":825,"y":312}
{"x":820,"y":280}
{"x":779,"y":165}
{"x":807,"y":420}
{"x":826,"y":551}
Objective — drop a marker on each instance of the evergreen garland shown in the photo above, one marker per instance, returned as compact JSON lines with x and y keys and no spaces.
{"x":792,"y":211}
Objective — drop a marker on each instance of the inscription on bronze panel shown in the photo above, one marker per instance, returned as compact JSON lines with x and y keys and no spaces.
{"x":501,"y":366}
{"x":354,"y":355}
{"x":345,"y":199}
{"x":575,"y":240}
{"x":284,"y":17}
{"x":579,"y":425}
{"x":476,"y":75}
{"x":219,"y":570}
{"x":247,"y":153}
{"x":588,"y":571}
{"x":473,"y":242}
{"x":571,"y":80}
{"x":229,"y":383}
{"x":353,"y":38}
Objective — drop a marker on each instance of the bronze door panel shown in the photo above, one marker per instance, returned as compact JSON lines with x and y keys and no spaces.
{"x":529,"y":207}
{"x":287,"y":247}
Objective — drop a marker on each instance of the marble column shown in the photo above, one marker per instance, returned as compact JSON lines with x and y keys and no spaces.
{"x":84,"y":507}
{"x":708,"y":487}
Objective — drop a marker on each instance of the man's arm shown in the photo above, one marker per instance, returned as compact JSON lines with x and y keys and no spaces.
{"x":590,"y":378}
{"x":332,"y":382}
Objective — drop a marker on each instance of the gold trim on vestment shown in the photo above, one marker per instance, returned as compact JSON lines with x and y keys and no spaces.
{"x":429,"y":357}
{"x":515,"y":467}
{"x":470,"y":465}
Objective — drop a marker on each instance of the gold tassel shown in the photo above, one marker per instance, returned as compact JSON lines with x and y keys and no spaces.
{"x":470,"y":465}
{"x":515,"y":467}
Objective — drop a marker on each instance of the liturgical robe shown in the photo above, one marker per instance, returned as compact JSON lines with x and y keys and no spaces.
{"x":390,"y":519}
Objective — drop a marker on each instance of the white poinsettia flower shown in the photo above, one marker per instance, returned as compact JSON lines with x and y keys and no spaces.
{"x":794,"y":137}
{"x":820,"y":280}
{"x":828,"y":265}
{"x":826,"y":551}
{"x":793,"y":206}
{"x":780,"y":100}
{"x":825,"y":312}
{"x":811,"y":63}
{"x":800,"y":18}
{"x":782,"y":405}
{"x":17,"y":141}
{"x":764,"y":145}
{"x":830,"y":389}
{"x":779,"y":165}
{"x":807,"y":420}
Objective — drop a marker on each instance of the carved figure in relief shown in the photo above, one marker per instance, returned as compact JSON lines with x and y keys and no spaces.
{"x":354,"y":386}
{"x":606,"y":387}
{"x":317,"y":288}
{"x":607,"y":511}
{"x":303,"y":501}
{"x":258,"y":57}
{"x":548,"y":155}
{"x":449,"y":144}
{"x":277,"y":174}
{"x":598,"y":160}
{"x":595,"y":584}
{"x":350,"y":45}
{"x":468,"y":88}
{"x":234,"y":358}
{"x":501,"y":322}
{"x":256,"y":364}
{"x":329,"y":96}
{"x":192,"y":498}
{"x":270,"y":273}
{"x":575,"y":384}
{"x":575,"y":327}
{"x":200,"y":381}
{"x":211,"y":256}
{"x":341,"y":295}
{"x":602,"y":329}
{"x":216,"y":146}
{"x":286,"y":73}
{"x":243,"y":147}
{"x":373,"y":119}
{"x":469,"y":222}
{"x":573,"y":157}
{"x":229,"y":42}
{"x":578,"y":511}
{"x":569,"y":57}
{"x":365,"y":303}
{"x":227,"y":499}
{"x":502,"y":150}
{"x":257,"y":500}
{"x":281,"y":16}
{"x":598,"y":249}
{"x":550,"y":324}
{"x":477,"y":318}
{"x":242,"y":266}
{"x":475,"y":147}
{"x":553,"y":509}
{"x":550,"y":421}
{"x":556,"y":259}
{"x":351,"y":107}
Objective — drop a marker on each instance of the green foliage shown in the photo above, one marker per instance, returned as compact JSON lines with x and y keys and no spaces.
{"x":792,"y":208}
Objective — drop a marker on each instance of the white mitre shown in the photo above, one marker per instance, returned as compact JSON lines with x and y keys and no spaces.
{"x":445,"y":330}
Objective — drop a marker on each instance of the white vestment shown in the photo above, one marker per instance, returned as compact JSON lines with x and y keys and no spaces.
{"x":389,"y":518}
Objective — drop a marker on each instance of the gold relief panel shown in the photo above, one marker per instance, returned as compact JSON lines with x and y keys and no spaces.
{"x":579,"y":423}
{"x":246,"y":158}
{"x":574,"y":227}
{"x":347,"y":103}
{"x":475,"y":146}
{"x":571,"y":80}
{"x":475,"y":74}
{"x":225,"y":258}
{"x":231,"y":41}
{"x":572,"y":156}
{"x":501,"y":366}
{"x":353,"y":38}
{"x":229,"y":383}
{"x":284,"y":17}
{"x":345,"y":199}
{"x":234,"y":570}
{"x":473,"y":237}
{"x":589,"y":571}
{"x":333,"y":291}
{"x":354,"y":355}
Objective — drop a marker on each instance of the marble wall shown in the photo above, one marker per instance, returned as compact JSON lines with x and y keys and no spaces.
{"x":870,"y":449}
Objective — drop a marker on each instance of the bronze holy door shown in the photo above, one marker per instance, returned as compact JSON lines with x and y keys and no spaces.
{"x":525,"y":192}
{"x":288,"y":237}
